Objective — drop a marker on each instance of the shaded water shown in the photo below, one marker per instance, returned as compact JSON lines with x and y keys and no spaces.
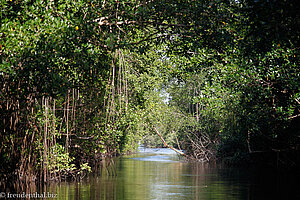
{"x":160,"y":174}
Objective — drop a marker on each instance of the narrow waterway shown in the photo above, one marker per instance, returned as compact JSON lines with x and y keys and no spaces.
{"x":161,"y":174}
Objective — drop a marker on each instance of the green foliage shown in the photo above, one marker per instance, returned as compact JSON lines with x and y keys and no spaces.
{"x":85,"y":167}
{"x":96,"y":76}
{"x":60,"y":161}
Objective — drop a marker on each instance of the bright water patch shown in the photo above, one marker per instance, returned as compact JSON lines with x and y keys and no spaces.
{"x":156,"y":155}
{"x":142,"y":149}
{"x":156,"y":158}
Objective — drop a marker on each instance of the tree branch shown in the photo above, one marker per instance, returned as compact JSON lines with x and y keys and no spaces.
{"x":291,"y":117}
{"x":167,"y":145}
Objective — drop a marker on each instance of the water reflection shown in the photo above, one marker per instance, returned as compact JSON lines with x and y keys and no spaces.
{"x":160,"y":174}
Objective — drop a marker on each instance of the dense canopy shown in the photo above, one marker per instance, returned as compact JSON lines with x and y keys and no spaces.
{"x":85,"y":79}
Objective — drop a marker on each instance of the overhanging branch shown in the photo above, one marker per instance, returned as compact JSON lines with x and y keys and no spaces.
{"x":166,"y":144}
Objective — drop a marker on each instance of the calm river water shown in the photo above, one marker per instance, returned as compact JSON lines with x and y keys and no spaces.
{"x":160,"y":174}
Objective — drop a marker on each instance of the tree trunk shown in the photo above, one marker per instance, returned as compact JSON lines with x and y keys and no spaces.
{"x":167,"y":145}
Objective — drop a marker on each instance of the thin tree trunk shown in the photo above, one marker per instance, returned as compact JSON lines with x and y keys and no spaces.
{"x":120,"y":82}
{"x":125,"y":83}
{"x":107,"y":104}
{"x":248,"y":142}
{"x":45,"y":166}
{"x":177,"y":140}
{"x":67,"y":123}
{"x":53,"y":137}
{"x":112,"y":107}
{"x":73,"y":109}
{"x":167,"y":145}
{"x":197,"y":112}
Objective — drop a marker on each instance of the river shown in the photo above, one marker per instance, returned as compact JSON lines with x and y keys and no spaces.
{"x":161,"y":174}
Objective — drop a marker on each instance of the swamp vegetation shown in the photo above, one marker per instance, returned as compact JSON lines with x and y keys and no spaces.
{"x":83,"y":80}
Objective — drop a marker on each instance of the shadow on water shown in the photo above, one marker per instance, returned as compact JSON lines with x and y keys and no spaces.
{"x":161,"y":174}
